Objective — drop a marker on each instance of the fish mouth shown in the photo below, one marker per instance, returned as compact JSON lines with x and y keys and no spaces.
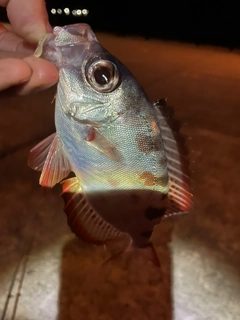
{"x":49,"y":46}
{"x":83,"y":31}
{"x":73,"y":35}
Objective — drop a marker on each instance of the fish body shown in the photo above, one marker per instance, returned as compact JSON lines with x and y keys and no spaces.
{"x":129,"y":171}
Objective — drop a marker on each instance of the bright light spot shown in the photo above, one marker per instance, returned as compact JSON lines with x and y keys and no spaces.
{"x":79,"y":12}
{"x":74,"y":12}
{"x":59,"y":11}
{"x":67,"y":11}
{"x":53,"y":11}
{"x":85,"y":12}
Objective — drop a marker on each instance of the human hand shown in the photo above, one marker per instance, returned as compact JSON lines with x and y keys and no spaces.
{"x":18,"y":67}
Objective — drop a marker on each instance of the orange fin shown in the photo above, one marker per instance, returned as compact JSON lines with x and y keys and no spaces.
{"x":99,"y":142}
{"x":49,"y":157}
{"x":180,"y":197}
{"x":82,"y":219}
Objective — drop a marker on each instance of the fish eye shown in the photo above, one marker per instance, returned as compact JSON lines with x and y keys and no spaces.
{"x":103,"y":76}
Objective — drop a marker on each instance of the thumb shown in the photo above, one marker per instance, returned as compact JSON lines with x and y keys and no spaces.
{"x":29,"y":19}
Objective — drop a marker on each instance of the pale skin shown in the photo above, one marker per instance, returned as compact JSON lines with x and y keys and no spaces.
{"x":19,"y":69}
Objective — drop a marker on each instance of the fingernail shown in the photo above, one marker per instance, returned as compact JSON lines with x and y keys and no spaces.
{"x":44,"y":87}
{"x":34,"y":37}
{"x":23,"y":81}
{"x":2,"y":28}
{"x":48,"y":27}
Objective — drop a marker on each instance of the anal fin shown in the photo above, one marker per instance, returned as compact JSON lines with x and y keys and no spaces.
{"x":82,"y":219}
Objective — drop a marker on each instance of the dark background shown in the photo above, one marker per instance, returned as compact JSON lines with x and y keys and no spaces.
{"x":209,"y":22}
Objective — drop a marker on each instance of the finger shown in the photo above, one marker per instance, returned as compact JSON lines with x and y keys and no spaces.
{"x":44,"y":75}
{"x":13,"y":72}
{"x":10,"y":42}
{"x":29,"y":18}
{"x":10,"y":54}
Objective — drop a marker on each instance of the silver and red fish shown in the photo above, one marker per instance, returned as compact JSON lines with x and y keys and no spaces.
{"x":130,"y":169}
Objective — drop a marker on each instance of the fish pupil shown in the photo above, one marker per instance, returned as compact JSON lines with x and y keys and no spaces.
{"x":102,"y":75}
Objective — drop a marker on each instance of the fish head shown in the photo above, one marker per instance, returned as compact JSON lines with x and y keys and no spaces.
{"x":94,"y":87}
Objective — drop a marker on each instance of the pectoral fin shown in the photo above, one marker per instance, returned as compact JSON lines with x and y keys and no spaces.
{"x":82,"y":219}
{"x":49,"y":157}
{"x":99,"y":142}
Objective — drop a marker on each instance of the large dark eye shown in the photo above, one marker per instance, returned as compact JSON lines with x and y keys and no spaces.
{"x":103,"y":75}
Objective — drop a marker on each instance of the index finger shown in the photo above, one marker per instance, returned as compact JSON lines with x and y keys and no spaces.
{"x":29,"y":18}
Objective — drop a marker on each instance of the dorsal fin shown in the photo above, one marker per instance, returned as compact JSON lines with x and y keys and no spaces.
{"x":180,"y":197}
{"x":82,"y":219}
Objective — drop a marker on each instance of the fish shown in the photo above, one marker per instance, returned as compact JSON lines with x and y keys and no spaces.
{"x":120,"y":159}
